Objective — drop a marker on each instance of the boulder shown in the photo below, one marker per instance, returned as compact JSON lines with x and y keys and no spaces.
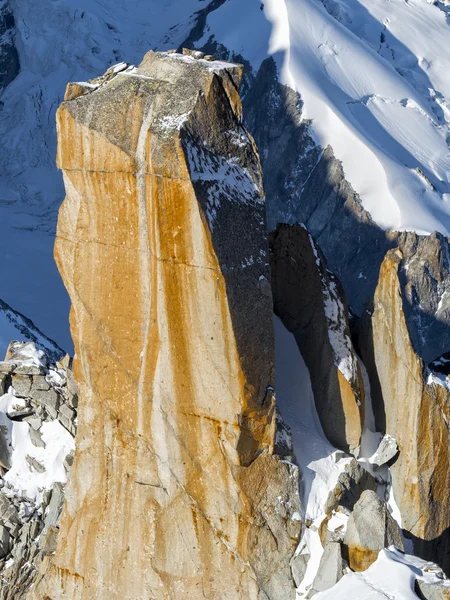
{"x":353,"y":480}
{"x":439,"y":590}
{"x":386,"y":451}
{"x":22,"y":385}
{"x":299,"y":564}
{"x":330,"y":569}
{"x":370,"y":528}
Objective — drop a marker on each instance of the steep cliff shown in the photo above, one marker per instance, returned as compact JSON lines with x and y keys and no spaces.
{"x":175,"y":490}
{"x":412,"y":405}
{"x":311,"y":304}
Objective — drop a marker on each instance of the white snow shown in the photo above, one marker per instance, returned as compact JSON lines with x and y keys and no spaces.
{"x":393,"y":576}
{"x":372,"y":75}
{"x":319,"y":462}
{"x":373,"y":78}
{"x":173,"y":121}
{"x":14,"y":326}
{"x":22,"y":476}
{"x":228,"y":181}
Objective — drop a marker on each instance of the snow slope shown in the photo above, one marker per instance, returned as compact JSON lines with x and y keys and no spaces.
{"x":374,"y":79}
{"x":393,"y":576}
{"x":319,"y":462}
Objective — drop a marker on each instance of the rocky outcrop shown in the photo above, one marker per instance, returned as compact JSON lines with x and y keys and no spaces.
{"x":330,"y":569}
{"x":309,"y":186}
{"x":175,"y":490}
{"x":370,"y":529}
{"x":425,"y":280}
{"x":310,"y":302}
{"x":38,"y":404}
{"x":9,"y":57}
{"x":439,"y":590}
{"x":412,"y":406}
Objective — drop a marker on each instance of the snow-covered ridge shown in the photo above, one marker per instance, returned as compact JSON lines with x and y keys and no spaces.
{"x":13,"y":325}
{"x":372,"y":76}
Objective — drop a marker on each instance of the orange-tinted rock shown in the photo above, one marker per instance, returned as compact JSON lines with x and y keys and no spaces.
{"x":174,"y":491}
{"x":415,"y":408}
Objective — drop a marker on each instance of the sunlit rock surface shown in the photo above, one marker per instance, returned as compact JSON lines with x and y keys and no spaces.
{"x":175,"y":491}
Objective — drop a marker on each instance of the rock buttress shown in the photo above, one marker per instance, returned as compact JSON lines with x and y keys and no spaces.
{"x":175,"y":491}
{"x":312,"y":305}
{"x":414,"y":406}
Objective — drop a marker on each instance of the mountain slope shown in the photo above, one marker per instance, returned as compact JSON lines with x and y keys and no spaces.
{"x":59,"y":42}
{"x":372,"y":77}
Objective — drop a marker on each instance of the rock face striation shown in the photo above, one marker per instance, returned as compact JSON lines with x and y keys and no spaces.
{"x":310,"y":302}
{"x":412,"y":405}
{"x":162,"y":245}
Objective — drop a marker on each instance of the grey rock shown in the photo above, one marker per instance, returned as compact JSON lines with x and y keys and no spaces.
{"x":21,"y":385}
{"x":4,"y":541}
{"x":433,"y":591}
{"x":330,"y":569}
{"x":3,"y":380}
{"x":68,"y":461}
{"x":34,"y":422}
{"x":425,"y":278}
{"x":283,"y":442}
{"x":55,"y":506}
{"x":36,"y":465}
{"x":40,"y":384}
{"x":68,"y":424}
{"x":13,"y":528}
{"x":386,"y":451}
{"x":36,"y":438}
{"x":350,"y":485}
{"x":66,"y":412}
{"x":48,"y":399}
{"x":48,"y":540}
{"x":298,"y":567}
{"x":8,"y":512}
{"x":5,"y":447}
{"x":370,"y":528}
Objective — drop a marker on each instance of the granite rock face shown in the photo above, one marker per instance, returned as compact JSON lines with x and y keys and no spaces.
{"x":412,"y":405}
{"x":161,"y":243}
{"x":310,"y":302}
{"x":425,"y":280}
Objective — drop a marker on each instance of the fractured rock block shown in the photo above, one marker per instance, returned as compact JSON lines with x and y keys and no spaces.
{"x":370,"y":528}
